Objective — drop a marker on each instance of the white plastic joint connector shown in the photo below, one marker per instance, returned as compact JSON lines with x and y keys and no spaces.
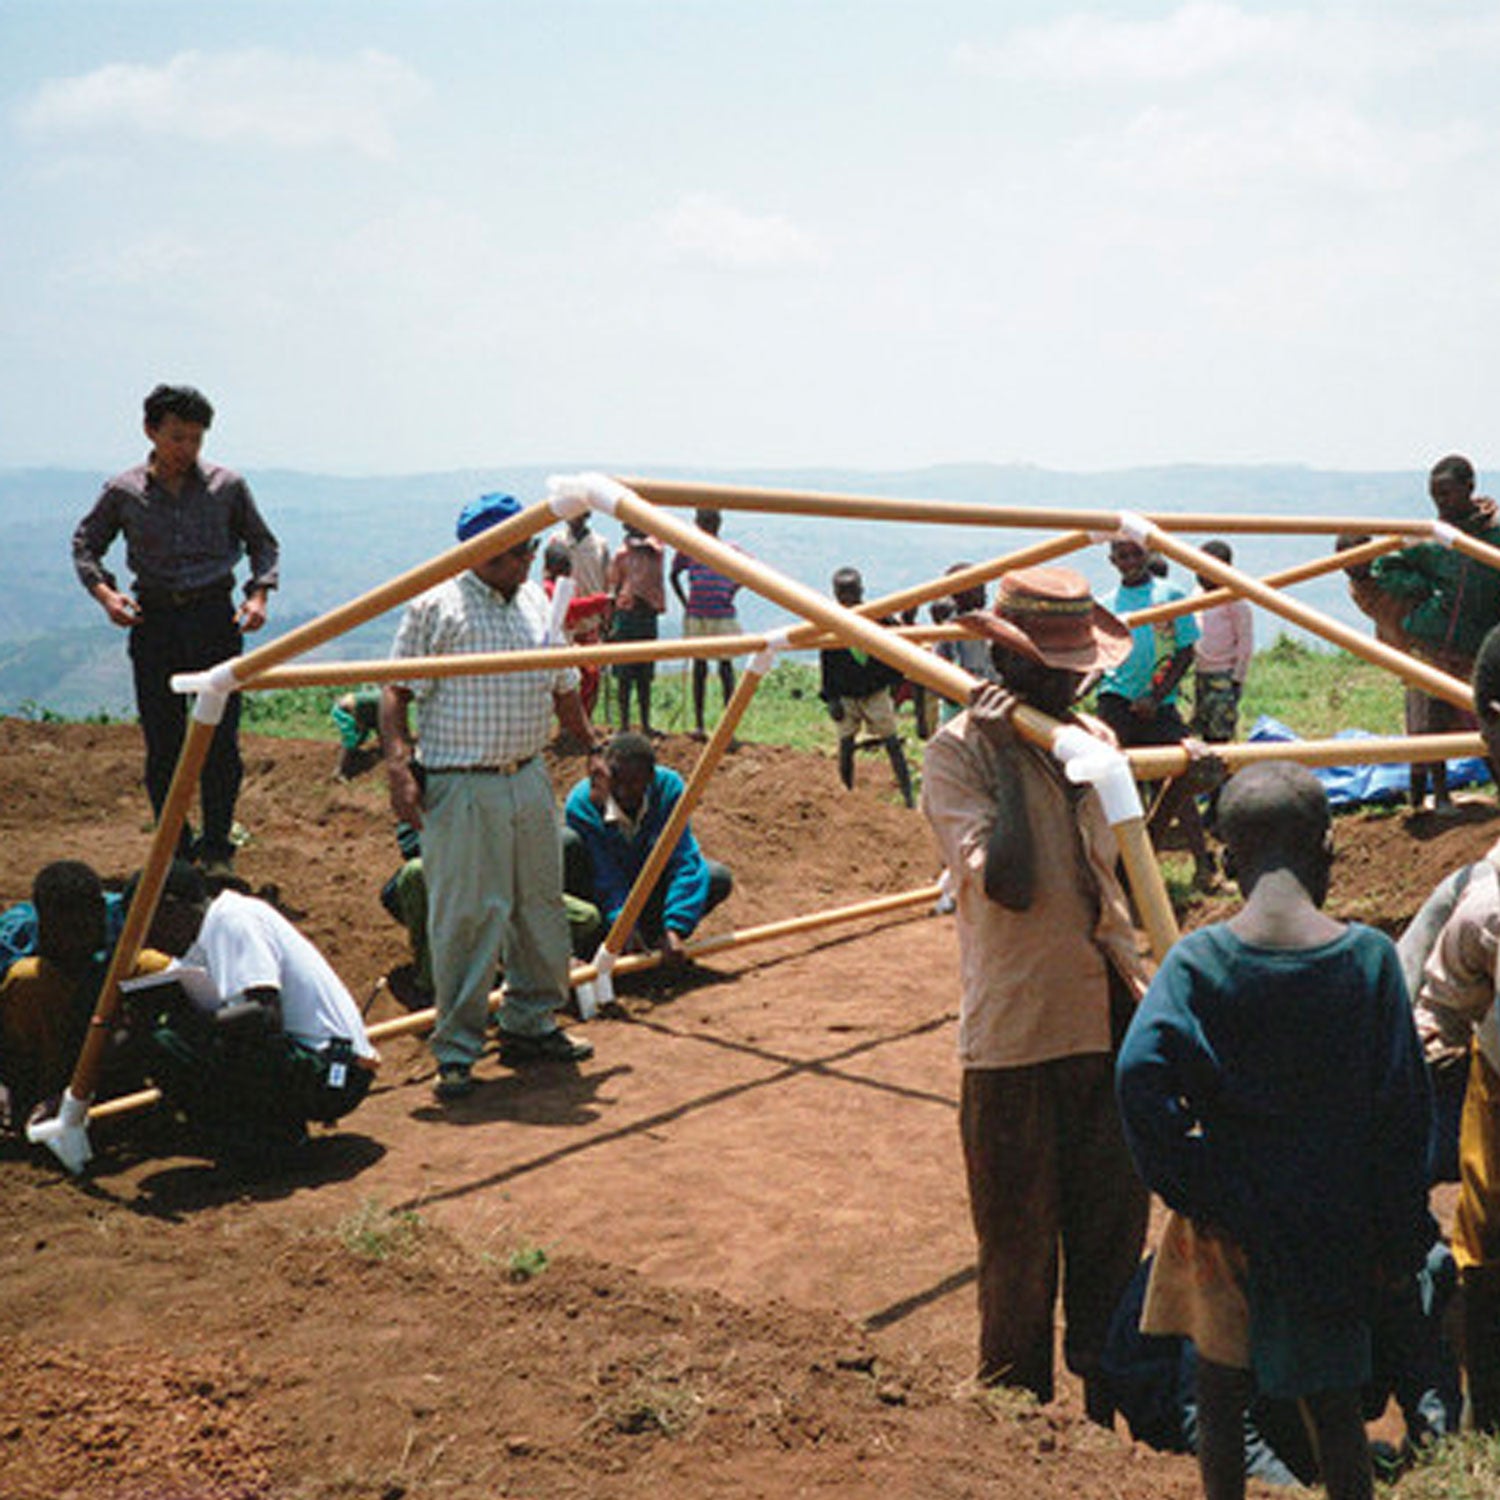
{"x":1087,"y":761}
{"x":565,"y":498}
{"x":66,"y":1134}
{"x":602,"y":990}
{"x":1136,"y":528}
{"x":562,"y":597}
{"x":1444,"y":534}
{"x":765,"y":658}
{"x":569,"y":494}
{"x":211,"y":688}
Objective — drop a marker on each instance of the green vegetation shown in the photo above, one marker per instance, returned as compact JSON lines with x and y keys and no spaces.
{"x":1463,"y":1467}
{"x":1314,"y":692}
{"x":1318,"y":693}
{"x":292,"y":713}
{"x":373,"y":1232}
{"x":526,"y":1262}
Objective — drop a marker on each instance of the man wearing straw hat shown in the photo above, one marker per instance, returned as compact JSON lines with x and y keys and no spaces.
{"x":479,"y":791}
{"x":1050,"y":970}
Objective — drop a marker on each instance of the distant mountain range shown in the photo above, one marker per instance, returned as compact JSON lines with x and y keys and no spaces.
{"x":341,"y":536}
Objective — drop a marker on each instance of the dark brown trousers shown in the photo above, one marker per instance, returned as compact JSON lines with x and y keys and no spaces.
{"x":1051,"y":1186}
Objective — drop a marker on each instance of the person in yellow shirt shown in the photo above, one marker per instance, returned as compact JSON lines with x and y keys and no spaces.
{"x":47,"y":998}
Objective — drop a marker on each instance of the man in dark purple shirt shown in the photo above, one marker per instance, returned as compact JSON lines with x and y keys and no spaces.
{"x":186,"y":524}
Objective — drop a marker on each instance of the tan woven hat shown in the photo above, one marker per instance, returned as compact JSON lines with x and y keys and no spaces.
{"x":1049,"y":615}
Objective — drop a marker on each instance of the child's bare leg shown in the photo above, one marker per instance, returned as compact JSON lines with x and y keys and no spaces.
{"x":1440,"y":797}
{"x":1223,"y":1398}
{"x":700,"y":688}
{"x":1338,"y":1431}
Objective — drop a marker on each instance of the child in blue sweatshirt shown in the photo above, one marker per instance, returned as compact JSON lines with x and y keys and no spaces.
{"x":1274,"y":1095}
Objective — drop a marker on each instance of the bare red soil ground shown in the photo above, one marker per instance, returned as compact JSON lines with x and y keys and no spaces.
{"x":758,"y":1259}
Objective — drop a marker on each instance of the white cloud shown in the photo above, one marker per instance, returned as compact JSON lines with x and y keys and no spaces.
{"x":144,"y":261}
{"x":255,"y":95}
{"x":707,"y":230}
{"x":1318,"y":143}
{"x":1210,"y":38}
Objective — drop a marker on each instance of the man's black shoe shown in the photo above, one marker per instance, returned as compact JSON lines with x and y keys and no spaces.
{"x":455,"y":1081}
{"x":550,"y":1046}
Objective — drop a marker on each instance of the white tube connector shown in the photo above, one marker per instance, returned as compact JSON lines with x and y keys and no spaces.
{"x":562,"y":597}
{"x":602,"y":990}
{"x":765,"y":658}
{"x":212,"y":689}
{"x":66,"y":1134}
{"x":1088,"y":761}
{"x":564,"y":499}
{"x":1444,"y":534}
{"x":569,"y":494}
{"x":1136,"y":528}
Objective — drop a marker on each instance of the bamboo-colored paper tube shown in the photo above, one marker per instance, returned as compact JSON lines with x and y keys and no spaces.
{"x":487,"y":544}
{"x":672,"y":830}
{"x":691,"y":495}
{"x":142,"y":905}
{"x":1152,"y":763}
{"x":1471,"y":546}
{"x":634,"y":963}
{"x":1285,"y":578}
{"x":1141,"y":867}
{"x":125,"y":1104}
{"x":1429,"y":679}
{"x":920,"y":666}
{"x":803,"y":636}
{"x":849,"y":627}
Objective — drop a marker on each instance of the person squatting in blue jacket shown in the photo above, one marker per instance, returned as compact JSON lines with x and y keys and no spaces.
{"x":614,"y":818}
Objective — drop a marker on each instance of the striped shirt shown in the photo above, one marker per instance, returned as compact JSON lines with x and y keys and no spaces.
{"x":489,"y":720}
{"x":710,"y":594}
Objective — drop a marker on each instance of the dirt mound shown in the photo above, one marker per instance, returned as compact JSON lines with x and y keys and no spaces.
{"x":730,"y":1255}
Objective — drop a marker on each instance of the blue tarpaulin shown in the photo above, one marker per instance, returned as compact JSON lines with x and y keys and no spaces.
{"x":1353,"y":786}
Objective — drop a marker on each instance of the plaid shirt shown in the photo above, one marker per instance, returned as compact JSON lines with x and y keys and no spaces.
{"x":480,"y":721}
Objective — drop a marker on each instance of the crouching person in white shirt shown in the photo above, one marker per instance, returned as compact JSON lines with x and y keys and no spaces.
{"x":273,"y":1039}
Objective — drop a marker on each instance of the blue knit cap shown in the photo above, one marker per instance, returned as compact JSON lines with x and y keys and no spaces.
{"x":488,"y":510}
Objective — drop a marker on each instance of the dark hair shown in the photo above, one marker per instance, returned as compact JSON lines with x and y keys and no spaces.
{"x":1454,"y":466}
{"x":709,"y":520}
{"x":848,"y":578}
{"x":184,"y":882}
{"x":628,"y":748}
{"x":1487,"y":678}
{"x":557,"y":558}
{"x":1218,"y":549}
{"x":1274,"y":808}
{"x":184,"y":401}
{"x":67,"y":894}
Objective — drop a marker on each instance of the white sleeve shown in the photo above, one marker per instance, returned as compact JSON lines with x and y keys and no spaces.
{"x":238,"y":953}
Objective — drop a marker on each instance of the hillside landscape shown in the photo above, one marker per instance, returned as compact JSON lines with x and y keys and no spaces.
{"x":341,"y":536}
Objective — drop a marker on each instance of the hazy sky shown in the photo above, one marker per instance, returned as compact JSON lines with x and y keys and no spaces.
{"x":879,"y":233}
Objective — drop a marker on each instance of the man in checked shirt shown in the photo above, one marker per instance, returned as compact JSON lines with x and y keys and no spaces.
{"x":475,"y":783}
{"x":186,"y":525}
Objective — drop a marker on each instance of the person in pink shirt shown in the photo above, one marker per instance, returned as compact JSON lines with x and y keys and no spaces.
{"x":637,"y":584}
{"x":1221,"y":659}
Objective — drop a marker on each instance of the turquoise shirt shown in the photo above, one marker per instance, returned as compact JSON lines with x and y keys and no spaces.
{"x":1151,"y":645}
